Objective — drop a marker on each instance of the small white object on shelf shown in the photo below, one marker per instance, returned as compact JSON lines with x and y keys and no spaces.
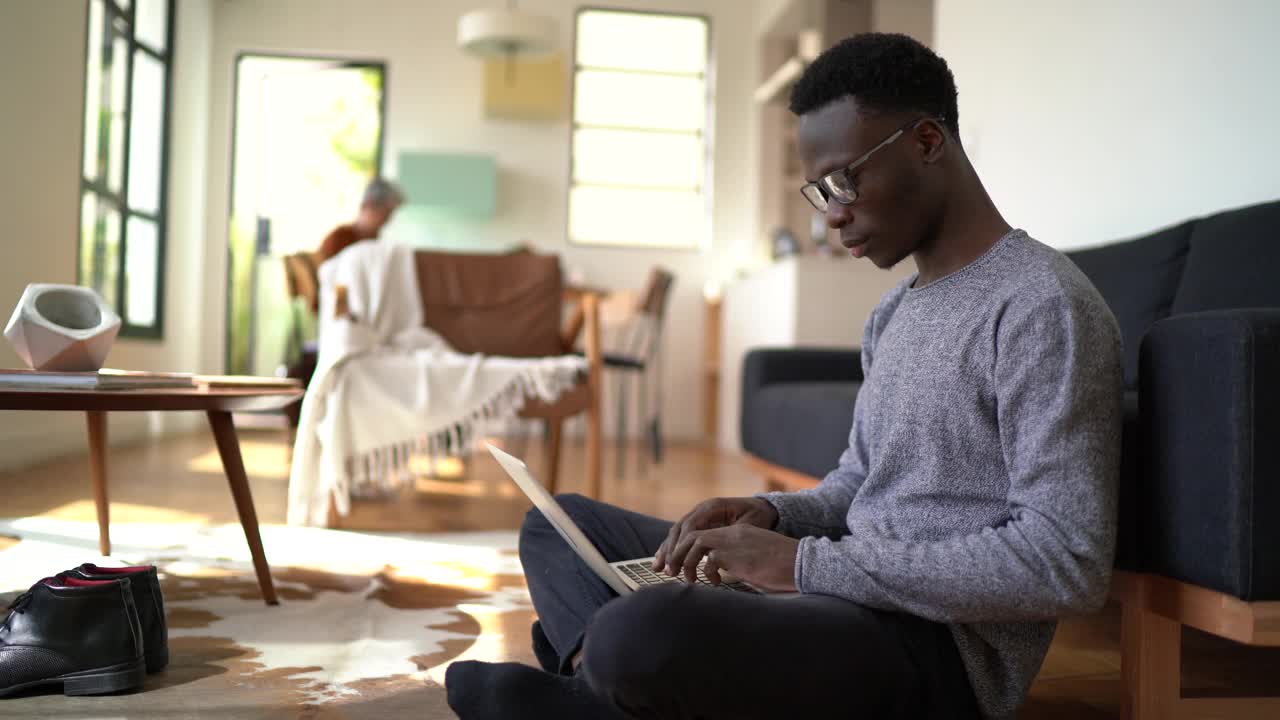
{"x":62,"y":328}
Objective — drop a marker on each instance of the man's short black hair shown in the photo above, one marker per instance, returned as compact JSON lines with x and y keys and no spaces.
{"x":884,"y":72}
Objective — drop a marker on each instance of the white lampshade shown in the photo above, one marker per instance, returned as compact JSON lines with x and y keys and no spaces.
{"x":499,"y":32}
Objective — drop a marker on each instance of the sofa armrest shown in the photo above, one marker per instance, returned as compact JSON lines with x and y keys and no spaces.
{"x":821,"y":386}
{"x":1209,"y":493}
{"x":766,"y":366}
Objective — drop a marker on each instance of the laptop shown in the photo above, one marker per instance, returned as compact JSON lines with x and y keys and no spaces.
{"x":626,"y":576}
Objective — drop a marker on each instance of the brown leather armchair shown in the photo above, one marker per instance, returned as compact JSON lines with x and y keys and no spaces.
{"x":513,"y":305}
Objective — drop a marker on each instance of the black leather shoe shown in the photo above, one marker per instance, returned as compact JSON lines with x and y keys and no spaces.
{"x":146,"y":592}
{"x":81,"y":634}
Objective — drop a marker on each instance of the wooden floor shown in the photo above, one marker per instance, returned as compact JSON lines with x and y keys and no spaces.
{"x":180,"y":479}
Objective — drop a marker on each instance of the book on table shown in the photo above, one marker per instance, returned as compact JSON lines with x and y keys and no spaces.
{"x":105,"y":379}
{"x":248,"y":382}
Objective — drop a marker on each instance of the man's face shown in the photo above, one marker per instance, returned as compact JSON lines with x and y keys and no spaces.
{"x":896,"y":206}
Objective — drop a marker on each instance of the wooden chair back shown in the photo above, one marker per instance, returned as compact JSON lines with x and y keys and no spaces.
{"x":302,"y":280}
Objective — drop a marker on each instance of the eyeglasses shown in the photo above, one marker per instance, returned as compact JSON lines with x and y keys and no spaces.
{"x":838,"y":185}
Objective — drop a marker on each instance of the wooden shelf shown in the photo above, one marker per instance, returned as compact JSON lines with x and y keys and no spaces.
{"x":781,"y":170}
{"x":711,"y":369}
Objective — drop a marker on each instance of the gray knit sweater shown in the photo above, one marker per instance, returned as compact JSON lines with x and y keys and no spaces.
{"x":979,"y":485}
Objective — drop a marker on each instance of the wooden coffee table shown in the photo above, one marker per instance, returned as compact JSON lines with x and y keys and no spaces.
{"x":217,"y":401}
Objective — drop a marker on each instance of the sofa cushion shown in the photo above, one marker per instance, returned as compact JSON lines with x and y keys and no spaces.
{"x":803,"y":426}
{"x":1138,"y":279}
{"x":1234,"y":261}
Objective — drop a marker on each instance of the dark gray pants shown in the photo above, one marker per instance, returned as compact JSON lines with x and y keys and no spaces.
{"x":695,"y":652}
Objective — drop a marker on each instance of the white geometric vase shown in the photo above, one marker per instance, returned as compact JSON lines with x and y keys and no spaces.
{"x":62,"y":328}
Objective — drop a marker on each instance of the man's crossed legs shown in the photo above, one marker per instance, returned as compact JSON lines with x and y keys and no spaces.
{"x":678,"y":651}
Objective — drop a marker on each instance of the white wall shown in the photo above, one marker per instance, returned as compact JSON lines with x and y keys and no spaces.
{"x":42,"y":63}
{"x":909,"y":17}
{"x":43,"y":81}
{"x":1092,"y":120}
{"x":434,"y":102}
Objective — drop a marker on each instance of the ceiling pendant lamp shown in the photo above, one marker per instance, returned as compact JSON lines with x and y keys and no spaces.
{"x":498,"y":32}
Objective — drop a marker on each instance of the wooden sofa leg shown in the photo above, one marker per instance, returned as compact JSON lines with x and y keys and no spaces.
{"x":553,"y":455}
{"x":1150,"y":664}
{"x":1151,"y":646}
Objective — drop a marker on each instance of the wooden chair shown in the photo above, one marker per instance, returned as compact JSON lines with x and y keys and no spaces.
{"x":302,"y":283}
{"x":639,"y":354}
{"x":302,"y":279}
{"x":512,"y":305}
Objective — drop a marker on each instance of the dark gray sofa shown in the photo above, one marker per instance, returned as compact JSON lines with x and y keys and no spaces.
{"x":1198,"y":306}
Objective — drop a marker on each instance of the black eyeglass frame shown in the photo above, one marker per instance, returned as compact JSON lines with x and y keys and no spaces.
{"x":818,"y":193}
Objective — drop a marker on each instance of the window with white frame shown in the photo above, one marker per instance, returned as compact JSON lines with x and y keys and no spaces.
{"x":641,"y":146}
{"x":128,"y":58}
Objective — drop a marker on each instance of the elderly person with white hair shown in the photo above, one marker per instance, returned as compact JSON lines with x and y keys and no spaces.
{"x":381,"y":198}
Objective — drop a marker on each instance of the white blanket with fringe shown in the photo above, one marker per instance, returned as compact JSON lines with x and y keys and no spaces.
{"x":386,"y":387}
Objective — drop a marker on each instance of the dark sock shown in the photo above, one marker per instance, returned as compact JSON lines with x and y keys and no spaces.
{"x":547,"y":656}
{"x":480,"y":691}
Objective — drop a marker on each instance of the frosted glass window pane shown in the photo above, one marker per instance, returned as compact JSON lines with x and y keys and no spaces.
{"x":624,"y":157}
{"x":99,"y":243}
{"x":639,"y":143}
{"x":93,"y":90}
{"x":145,"y":133}
{"x":109,"y":216}
{"x":642,"y":42}
{"x":150,"y":22}
{"x":99,"y":246}
{"x":118,"y":71}
{"x":140,"y":272}
{"x":632,"y":100}
{"x":613,"y":216}
{"x":88,"y":237}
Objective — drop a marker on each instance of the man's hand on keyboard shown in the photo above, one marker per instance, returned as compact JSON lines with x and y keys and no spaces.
{"x":714,"y":513}
{"x":761,"y":557}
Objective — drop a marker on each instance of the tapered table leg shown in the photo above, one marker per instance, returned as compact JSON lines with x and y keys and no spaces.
{"x":224,"y":432}
{"x":97,"y":422}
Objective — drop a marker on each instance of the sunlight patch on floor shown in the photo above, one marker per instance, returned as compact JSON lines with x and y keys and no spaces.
{"x":432,"y":486}
{"x":447,"y":468}
{"x":261,"y":460}
{"x":85,"y":511}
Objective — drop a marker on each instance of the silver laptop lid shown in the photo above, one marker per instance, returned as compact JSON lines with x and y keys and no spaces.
{"x":558,"y":518}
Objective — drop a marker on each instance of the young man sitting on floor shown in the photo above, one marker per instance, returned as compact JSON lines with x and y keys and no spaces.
{"x":975,"y":504}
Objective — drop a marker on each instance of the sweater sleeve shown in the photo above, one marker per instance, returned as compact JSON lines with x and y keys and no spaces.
{"x":1058,"y":388}
{"x":821,"y":510}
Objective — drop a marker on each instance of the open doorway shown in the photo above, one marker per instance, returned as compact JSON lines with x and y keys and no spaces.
{"x":307,"y":138}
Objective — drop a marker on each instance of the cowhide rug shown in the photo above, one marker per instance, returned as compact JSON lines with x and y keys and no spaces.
{"x":366,"y":626}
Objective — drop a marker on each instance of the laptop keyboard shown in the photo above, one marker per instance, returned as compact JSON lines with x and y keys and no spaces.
{"x":641,"y":573}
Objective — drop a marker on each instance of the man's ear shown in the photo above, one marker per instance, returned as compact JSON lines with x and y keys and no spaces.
{"x":930,"y":141}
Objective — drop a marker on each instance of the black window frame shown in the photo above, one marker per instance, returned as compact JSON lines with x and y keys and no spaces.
{"x":100,"y":187}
